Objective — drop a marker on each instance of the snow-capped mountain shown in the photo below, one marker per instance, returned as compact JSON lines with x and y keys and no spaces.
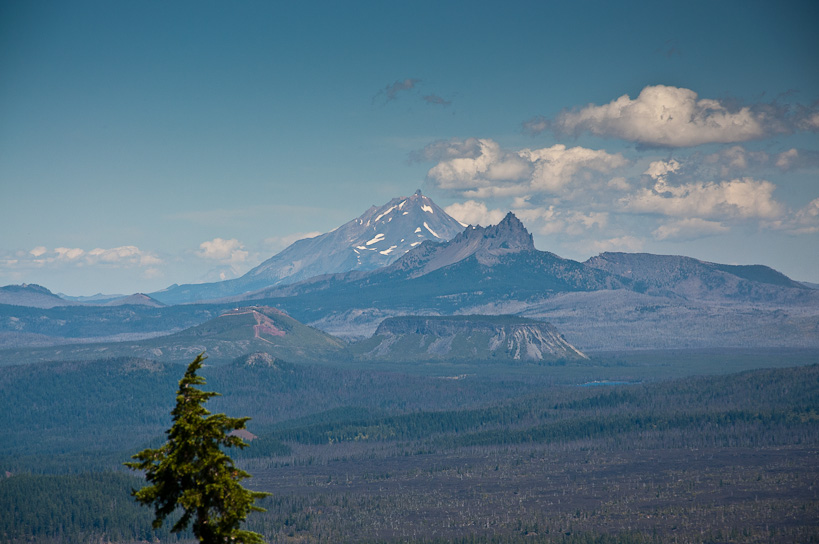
{"x":377,"y":238}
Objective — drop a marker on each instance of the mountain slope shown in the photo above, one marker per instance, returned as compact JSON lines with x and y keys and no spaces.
{"x":137,"y":299}
{"x":31,"y":295}
{"x":472,"y":338}
{"x":692,"y":279}
{"x":375,"y":239}
{"x":234,"y":333}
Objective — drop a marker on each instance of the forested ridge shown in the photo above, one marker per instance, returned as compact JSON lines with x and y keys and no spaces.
{"x":499,"y":455}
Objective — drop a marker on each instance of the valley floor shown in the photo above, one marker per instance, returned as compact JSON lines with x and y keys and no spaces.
{"x":702,"y":447}
{"x":581,"y":492}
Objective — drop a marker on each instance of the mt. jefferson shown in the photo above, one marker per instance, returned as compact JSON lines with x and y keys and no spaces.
{"x":376,"y":239}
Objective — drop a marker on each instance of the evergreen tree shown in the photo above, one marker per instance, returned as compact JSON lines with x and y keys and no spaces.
{"x":192,"y":472}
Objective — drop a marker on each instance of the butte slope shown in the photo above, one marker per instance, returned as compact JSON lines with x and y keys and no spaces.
{"x":471,"y":338}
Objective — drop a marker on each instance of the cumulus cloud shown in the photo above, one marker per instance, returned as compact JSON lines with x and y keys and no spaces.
{"x":474,"y":213}
{"x":122,"y":256}
{"x":690,"y":228}
{"x":665,"y":116}
{"x":802,"y":221}
{"x":737,"y":159}
{"x":809,"y":216}
{"x":796,"y":159}
{"x":480,"y":168}
{"x":226,"y":251}
{"x":743,"y":198}
{"x":444,"y":150}
{"x":785,"y":159}
{"x":68,"y":254}
{"x":536,"y":125}
{"x":547,"y":220}
{"x":390,"y":92}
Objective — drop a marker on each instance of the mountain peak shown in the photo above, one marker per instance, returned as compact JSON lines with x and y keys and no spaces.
{"x":511,"y":229}
{"x":375,"y":239}
{"x":487,"y":243}
{"x":509,"y":234}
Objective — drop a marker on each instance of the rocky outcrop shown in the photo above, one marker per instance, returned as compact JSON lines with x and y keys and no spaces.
{"x":476,"y":337}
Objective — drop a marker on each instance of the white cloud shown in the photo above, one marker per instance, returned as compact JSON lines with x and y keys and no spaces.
{"x":689,"y":229}
{"x":227,"y":251}
{"x":474,"y":213}
{"x":785,"y":159}
{"x":809,"y":118}
{"x":480,"y":168}
{"x":557,"y":166}
{"x":667,"y":117}
{"x":733,"y":160}
{"x":619,"y":184}
{"x":68,"y":254}
{"x":660,"y":169}
{"x":803,"y":221}
{"x":123,"y":254}
{"x":121,"y":257}
{"x":548,"y":220}
{"x":744,"y":198}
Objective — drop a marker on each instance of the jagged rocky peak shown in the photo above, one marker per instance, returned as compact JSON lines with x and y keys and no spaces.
{"x":509,"y":234}
{"x":486,"y":243}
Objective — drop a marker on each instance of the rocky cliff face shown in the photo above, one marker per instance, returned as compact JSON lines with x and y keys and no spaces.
{"x":488,"y":244}
{"x":423,"y":338}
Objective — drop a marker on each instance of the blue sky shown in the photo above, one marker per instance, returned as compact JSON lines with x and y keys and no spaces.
{"x":150,"y":143}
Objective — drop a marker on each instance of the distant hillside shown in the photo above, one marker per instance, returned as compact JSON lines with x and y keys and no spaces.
{"x":137,"y":299}
{"x":472,"y":338}
{"x":256,"y":329}
{"x":31,"y":295}
{"x":688,"y":278}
